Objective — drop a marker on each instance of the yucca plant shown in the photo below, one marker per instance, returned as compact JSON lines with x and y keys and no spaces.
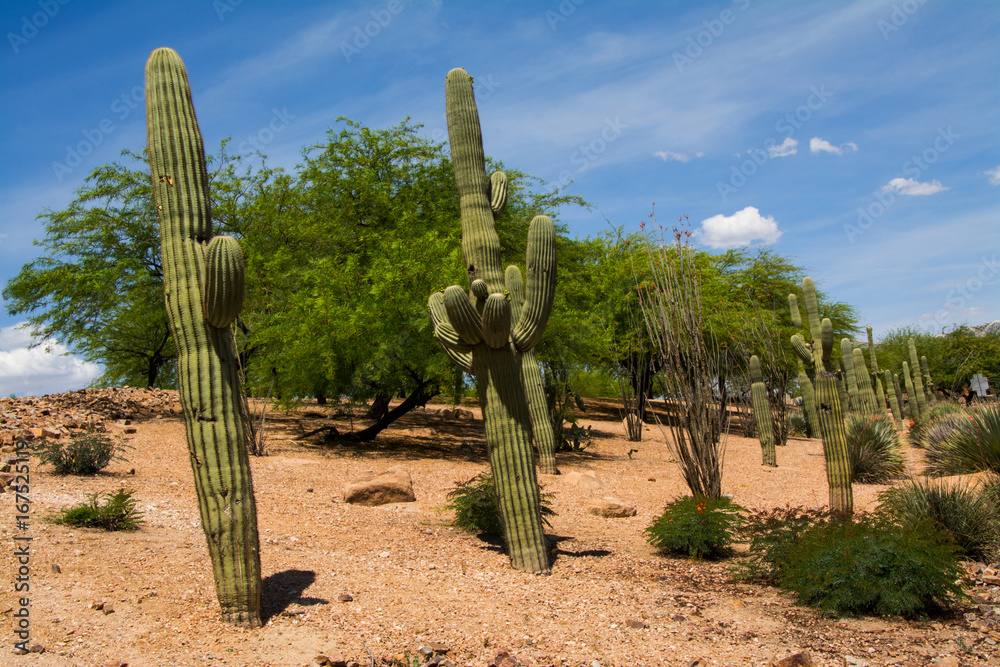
{"x":874,"y":449}
{"x":973,"y":447}
{"x":935,"y":435}
{"x":970,"y":515}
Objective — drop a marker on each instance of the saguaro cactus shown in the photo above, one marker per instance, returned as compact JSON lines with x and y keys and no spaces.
{"x":203,"y":290}
{"x":918,"y":383}
{"x":911,"y":393}
{"x":481,"y":331}
{"x":828,"y":401}
{"x":805,"y":383}
{"x":762,"y":413}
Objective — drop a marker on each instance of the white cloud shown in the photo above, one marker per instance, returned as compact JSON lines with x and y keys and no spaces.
{"x":994,"y":175}
{"x":667,"y":156}
{"x":908,"y":186}
{"x":817,"y":145}
{"x":45,"y":369}
{"x":787,"y":147}
{"x":739,"y":229}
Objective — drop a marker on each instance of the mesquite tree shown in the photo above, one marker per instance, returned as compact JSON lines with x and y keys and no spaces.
{"x":203,"y":291}
{"x":487,"y":330}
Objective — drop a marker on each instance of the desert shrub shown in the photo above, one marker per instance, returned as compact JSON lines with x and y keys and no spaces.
{"x":769,"y":533}
{"x":84,"y":454}
{"x":477,"y":508}
{"x":117,"y":512}
{"x":973,"y":447}
{"x":797,"y":426}
{"x":934,"y":436}
{"x":969,"y":516}
{"x":874,"y":448}
{"x":697,"y":527}
{"x":871,"y":564}
{"x":941,"y":409}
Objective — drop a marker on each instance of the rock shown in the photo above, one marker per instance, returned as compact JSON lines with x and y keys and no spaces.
{"x":36,"y":648}
{"x":97,"y":605}
{"x":795,"y":660}
{"x":114,"y":663}
{"x":463,"y":414}
{"x":505,"y":659}
{"x":584,"y":480}
{"x":108,"y":608}
{"x":698,"y":662}
{"x":392,"y":486}
{"x":345,"y":597}
{"x":611,"y":508}
{"x":946,"y":661}
{"x":321,"y":661}
{"x":851,"y":661}
{"x":636,"y":624}
{"x":56,"y":569}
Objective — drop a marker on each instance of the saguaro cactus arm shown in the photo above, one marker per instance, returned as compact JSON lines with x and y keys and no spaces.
{"x":457,"y":349}
{"x":222,"y":296}
{"x":541,"y":284}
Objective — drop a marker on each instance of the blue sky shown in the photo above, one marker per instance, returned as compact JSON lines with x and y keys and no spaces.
{"x":861,"y":139}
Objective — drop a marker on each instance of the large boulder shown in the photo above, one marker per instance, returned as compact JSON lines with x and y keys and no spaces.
{"x":392,"y":486}
{"x":611,"y":508}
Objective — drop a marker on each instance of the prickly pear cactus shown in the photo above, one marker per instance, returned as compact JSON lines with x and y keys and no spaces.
{"x":479,"y":329}
{"x":203,"y":295}
{"x":762,"y":413}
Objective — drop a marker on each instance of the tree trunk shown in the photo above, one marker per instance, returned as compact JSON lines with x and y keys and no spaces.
{"x":418,"y":397}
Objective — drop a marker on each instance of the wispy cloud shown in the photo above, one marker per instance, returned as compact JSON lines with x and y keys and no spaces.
{"x":817,"y":145}
{"x":993,"y":175}
{"x":909,"y":186}
{"x":667,"y":156}
{"x":46,"y":368}
{"x":787,"y":147}
{"x":739,"y":229}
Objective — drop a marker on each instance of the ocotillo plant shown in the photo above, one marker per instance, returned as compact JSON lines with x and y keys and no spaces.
{"x":762,"y":413}
{"x":828,"y":401}
{"x":203,"y":290}
{"x":479,"y":331}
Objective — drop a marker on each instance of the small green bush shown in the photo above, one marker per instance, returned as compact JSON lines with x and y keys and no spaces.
{"x":117,"y":512}
{"x":973,"y":447}
{"x":870,"y":564}
{"x":85,"y":453}
{"x":797,"y":426}
{"x":697,"y":527}
{"x":874,"y":448}
{"x":941,"y":409}
{"x":477,"y":509}
{"x":969,"y":516}
{"x":769,"y":533}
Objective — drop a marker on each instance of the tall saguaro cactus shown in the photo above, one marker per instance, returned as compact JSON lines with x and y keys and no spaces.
{"x":805,"y":382}
{"x":487,"y":332}
{"x":918,"y":383}
{"x":762,"y":413}
{"x":203,"y":291}
{"x":829,"y":406}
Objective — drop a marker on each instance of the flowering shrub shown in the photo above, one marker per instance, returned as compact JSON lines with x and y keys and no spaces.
{"x":696,"y":527}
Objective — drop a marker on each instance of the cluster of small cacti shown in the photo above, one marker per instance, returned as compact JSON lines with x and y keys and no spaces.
{"x":203,"y":290}
{"x":490,"y":330}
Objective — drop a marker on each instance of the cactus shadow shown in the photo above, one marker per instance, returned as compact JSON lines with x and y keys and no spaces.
{"x":282,"y":589}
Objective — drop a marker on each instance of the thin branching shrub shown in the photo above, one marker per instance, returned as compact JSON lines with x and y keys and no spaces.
{"x":874,"y":448}
{"x":697,"y":527}
{"x":969,"y":515}
{"x":118,"y":511}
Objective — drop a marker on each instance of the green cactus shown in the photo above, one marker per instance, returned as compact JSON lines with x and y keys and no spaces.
{"x":828,"y":388}
{"x":911,"y":393}
{"x":928,"y":383}
{"x":203,"y":296}
{"x":899,"y":395}
{"x":491,"y":341}
{"x":804,"y":358}
{"x":871,"y":351}
{"x":918,"y":383}
{"x":891,"y":384}
{"x":762,"y":413}
{"x":869,"y":407}
{"x":847,"y":359}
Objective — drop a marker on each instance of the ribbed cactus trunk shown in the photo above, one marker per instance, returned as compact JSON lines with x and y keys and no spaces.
{"x":838,"y":462}
{"x":480,"y":332}
{"x":203,"y":295}
{"x":911,"y":390}
{"x":894,"y":403}
{"x":762,"y":414}
{"x":866,"y":395}
{"x":899,"y":395}
{"x":851,"y":377}
{"x":804,"y":358}
{"x":918,"y":384}
{"x":928,"y":383}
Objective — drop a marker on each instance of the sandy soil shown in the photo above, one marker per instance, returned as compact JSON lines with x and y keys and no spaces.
{"x":610,"y":600}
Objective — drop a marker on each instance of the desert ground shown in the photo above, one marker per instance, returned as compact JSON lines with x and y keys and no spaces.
{"x":374,"y":584}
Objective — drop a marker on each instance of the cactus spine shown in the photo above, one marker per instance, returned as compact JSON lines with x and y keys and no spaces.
{"x":491,"y":341}
{"x":828,"y":401}
{"x":203,"y":295}
{"x":762,"y":413}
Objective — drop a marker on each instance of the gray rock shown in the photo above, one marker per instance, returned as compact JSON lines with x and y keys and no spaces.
{"x":611,"y":508}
